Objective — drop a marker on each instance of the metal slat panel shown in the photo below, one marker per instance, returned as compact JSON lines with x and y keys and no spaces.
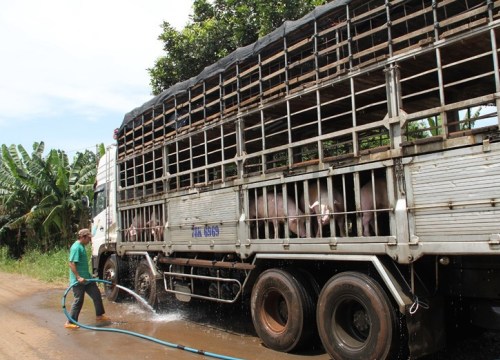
{"x":204,"y":218}
{"x":455,"y":196}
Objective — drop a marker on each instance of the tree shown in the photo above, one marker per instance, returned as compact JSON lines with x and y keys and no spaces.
{"x":218,"y":27}
{"x":41,"y":197}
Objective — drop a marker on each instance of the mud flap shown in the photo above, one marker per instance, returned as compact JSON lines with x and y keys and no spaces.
{"x":426,"y":328}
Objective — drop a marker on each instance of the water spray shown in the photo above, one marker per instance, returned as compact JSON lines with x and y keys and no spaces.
{"x":142,"y":336}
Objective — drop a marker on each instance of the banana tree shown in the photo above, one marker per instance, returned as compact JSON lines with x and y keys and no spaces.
{"x":43,"y":195}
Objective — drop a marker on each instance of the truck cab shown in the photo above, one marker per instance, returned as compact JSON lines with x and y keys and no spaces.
{"x":104,"y":209}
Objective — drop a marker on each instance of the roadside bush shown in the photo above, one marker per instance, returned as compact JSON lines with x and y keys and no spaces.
{"x":51,"y":267}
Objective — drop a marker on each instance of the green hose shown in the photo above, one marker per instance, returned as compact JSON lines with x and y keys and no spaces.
{"x":142,"y":336}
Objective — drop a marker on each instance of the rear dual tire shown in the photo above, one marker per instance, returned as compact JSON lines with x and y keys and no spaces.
{"x":283,"y":309}
{"x":356,"y":319}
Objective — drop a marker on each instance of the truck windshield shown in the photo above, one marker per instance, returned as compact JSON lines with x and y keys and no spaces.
{"x":99,"y":200}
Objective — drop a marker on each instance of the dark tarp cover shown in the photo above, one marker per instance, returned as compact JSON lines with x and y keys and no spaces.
{"x":237,"y":55}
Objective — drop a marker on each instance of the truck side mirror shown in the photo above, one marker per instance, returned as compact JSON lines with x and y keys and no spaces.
{"x":85,"y":201}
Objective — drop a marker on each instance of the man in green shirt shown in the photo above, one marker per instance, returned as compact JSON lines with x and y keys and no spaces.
{"x":79,"y":271}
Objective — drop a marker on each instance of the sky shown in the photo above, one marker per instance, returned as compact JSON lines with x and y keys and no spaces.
{"x":71,"y":69}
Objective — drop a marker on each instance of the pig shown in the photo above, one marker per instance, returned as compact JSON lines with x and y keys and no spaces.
{"x":367,"y":204}
{"x":156,"y":228}
{"x":319,"y":206}
{"x":296,"y":221}
{"x":151,"y":230}
{"x":134,"y":231}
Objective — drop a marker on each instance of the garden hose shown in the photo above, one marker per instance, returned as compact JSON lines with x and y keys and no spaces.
{"x":142,"y":336}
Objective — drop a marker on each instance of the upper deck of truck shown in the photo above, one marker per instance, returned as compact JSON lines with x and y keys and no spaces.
{"x":351,"y":82}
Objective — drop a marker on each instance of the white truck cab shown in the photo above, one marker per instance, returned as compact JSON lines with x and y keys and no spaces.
{"x":104,"y":208}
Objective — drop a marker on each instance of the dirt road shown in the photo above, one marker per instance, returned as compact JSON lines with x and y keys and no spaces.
{"x":31,"y":326}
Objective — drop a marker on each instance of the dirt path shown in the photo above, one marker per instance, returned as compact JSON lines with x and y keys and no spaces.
{"x":31,"y":326}
{"x":25,"y":336}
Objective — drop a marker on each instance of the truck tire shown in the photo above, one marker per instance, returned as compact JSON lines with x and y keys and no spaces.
{"x":355,"y":318}
{"x":145,"y":284}
{"x":112,"y":271}
{"x":282,"y":310}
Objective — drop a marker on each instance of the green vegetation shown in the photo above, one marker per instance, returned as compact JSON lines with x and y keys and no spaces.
{"x":217,"y":28}
{"x":51,"y":266}
{"x":42,"y":198}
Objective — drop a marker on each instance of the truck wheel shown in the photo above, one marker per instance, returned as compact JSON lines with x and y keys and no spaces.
{"x":145,"y":283}
{"x":355,"y":318}
{"x":282,"y":310}
{"x":111,"y":272}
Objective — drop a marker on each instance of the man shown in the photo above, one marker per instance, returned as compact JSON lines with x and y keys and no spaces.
{"x":79,"y":271}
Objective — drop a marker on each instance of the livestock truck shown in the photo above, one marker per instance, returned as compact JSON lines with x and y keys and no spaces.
{"x":340,"y":177}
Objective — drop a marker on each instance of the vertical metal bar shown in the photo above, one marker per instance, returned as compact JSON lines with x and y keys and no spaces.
{"x":261,"y":89}
{"x":321,"y":153}
{"x":177,"y":177}
{"x":164,"y":121}
{"x":374,"y":199}
{"x":318,"y":95}
{"x":256,"y":208}
{"x":296,"y":198}
{"x":189,"y":106}
{"x":206,"y":156}
{"x":191,"y":172}
{"x":285,"y":55}
{"x":337,"y":40}
{"x":284,"y":196}
{"x":344,"y":199}
{"x":266,"y":211}
{"x":439,"y":69}
{"x":240,"y":143}
{"x":223,"y":157}
{"x":389,"y":26}
{"x":238,"y":85}
{"x":494,"y":52}
{"x":221,"y":95}
{"x":315,"y":50}
{"x":204,"y":101}
{"x":307,"y":210}
{"x":263,"y":132}
{"x":331,"y":205}
{"x":165,"y":164}
{"x":287,"y":86}
{"x":289,"y":132}
{"x":357,"y":200}
{"x":351,"y":80}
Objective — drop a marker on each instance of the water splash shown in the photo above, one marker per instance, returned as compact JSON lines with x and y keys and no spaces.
{"x":140,"y":299}
{"x":167,"y":317}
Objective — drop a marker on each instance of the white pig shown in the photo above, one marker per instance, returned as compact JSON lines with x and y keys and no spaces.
{"x":296,"y":222}
{"x":319,"y":206}
{"x":367,"y":204}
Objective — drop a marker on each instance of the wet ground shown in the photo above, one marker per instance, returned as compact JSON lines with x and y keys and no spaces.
{"x":32,"y":320}
{"x":33,"y":317}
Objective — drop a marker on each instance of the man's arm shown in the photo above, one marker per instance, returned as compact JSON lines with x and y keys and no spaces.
{"x":72,"y":266}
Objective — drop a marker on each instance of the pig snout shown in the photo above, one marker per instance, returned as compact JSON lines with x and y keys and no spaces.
{"x":323,"y":211}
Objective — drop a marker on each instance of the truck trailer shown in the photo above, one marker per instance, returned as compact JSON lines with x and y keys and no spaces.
{"x":340,"y":177}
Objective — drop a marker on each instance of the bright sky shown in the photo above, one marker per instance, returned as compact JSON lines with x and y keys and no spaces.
{"x":71,"y":69}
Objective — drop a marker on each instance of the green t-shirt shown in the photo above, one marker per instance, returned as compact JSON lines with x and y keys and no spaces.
{"x":78,"y":255}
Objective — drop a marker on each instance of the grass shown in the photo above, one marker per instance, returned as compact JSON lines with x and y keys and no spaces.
{"x":50,"y":267}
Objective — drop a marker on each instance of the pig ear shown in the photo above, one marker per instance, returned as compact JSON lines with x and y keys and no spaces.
{"x":316,"y":203}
